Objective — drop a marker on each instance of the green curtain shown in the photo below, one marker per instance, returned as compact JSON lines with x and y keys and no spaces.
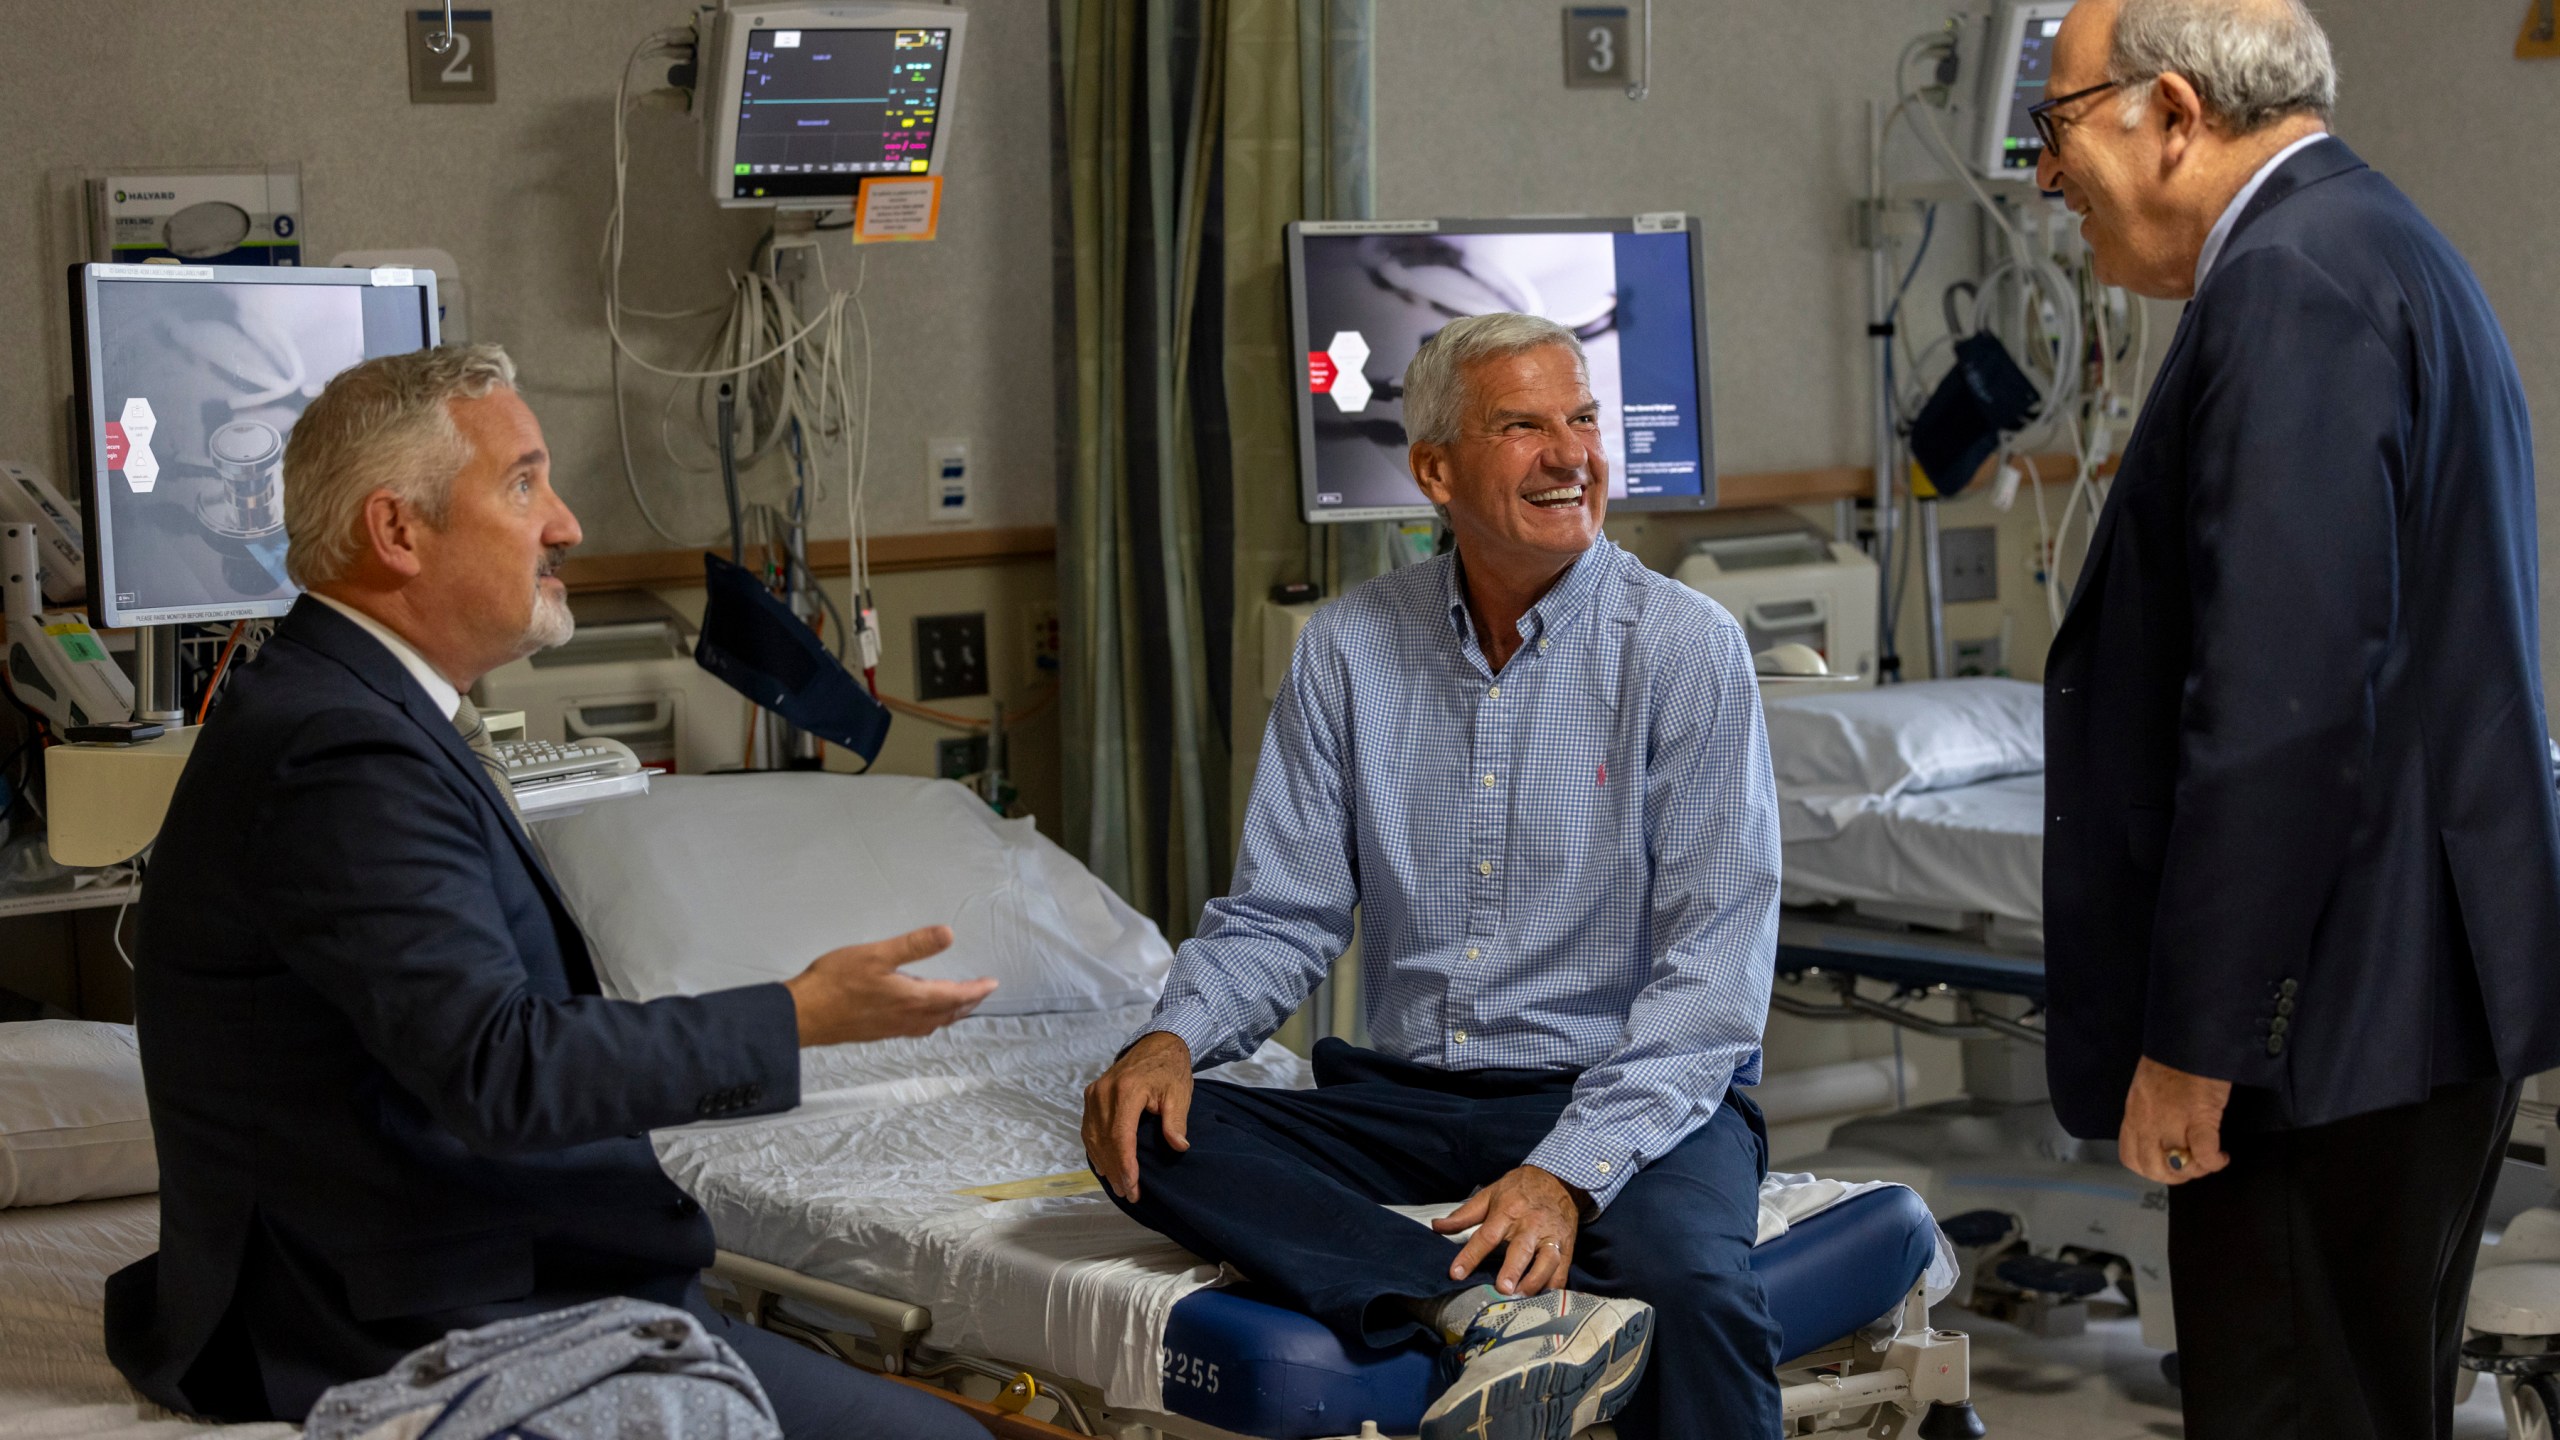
{"x":1140,"y":84}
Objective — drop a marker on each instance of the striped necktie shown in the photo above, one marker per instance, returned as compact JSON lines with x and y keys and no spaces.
{"x":475,"y":733}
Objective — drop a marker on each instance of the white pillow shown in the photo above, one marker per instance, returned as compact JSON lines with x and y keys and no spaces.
{"x":714,"y":881}
{"x":1927,"y":735}
{"x":73,"y":1121}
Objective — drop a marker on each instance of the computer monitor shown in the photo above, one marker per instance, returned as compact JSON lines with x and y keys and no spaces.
{"x":802,"y":103}
{"x":1364,"y":295}
{"x":2017,"y":61}
{"x":189,"y":379}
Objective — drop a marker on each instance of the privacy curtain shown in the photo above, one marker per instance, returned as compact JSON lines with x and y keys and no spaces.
{"x":1184,"y":145}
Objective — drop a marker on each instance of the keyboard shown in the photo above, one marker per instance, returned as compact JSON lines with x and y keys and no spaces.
{"x":550,"y":776}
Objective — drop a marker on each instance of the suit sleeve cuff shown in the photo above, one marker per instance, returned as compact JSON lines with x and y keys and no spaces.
{"x":1593,"y":1163}
{"x":762,"y":1025}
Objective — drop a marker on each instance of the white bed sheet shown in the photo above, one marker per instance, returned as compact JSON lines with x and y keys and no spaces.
{"x":1975,"y":848}
{"x":55,"y":1379}
{"x":859,"y":1186}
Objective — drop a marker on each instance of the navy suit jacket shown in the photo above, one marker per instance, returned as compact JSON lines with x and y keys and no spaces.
{"x":2300,"y":830}
{"x":387,"y":1096}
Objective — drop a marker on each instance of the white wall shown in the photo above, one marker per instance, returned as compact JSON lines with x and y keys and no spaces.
{"x":517,"y":191}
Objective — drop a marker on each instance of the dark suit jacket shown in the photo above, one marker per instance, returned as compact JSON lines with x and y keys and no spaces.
{"x":2300,"y":830}
{"x":387,"y":1096}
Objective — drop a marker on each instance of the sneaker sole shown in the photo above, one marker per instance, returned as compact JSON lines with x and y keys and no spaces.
{"x":1553,"y":1399}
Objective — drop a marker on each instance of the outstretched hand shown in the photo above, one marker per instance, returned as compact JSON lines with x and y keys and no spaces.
{"x":1530,"y":1211}
{"x":1152,"y":1077}
{"x":858,"y":992}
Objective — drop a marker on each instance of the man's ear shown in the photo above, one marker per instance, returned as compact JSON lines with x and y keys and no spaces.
{"x":389,"y":534}
{"x":1430,"y":467}
{"x":2180,"y":115}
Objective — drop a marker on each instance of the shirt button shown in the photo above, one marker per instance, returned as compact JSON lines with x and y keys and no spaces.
{"x":1542,"y":644}
{"x":1488,"y":780}
{"x":1473,"y":952}
{"x":1496,"y":692}
{"x":1460,"y":1037}
{"x":1604,"y":1167}
{"x":1484,"y":867}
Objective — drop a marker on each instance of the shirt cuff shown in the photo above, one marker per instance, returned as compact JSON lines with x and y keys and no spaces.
{"x":1190,"y":1022}
{"x":1594,"y":1163}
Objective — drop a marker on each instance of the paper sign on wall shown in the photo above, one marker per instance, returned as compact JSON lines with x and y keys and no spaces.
{"x":897,"y":208}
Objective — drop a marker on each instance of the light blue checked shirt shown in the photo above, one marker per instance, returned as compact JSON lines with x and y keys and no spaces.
{"x":1570,"y":865}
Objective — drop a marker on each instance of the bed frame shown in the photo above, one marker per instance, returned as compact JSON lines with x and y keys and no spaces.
{"x":1849,"y":1386}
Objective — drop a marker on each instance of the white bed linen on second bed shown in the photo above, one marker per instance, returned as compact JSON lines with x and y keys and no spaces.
{"x":56,"y":1382}
{"x":1973,"y":848}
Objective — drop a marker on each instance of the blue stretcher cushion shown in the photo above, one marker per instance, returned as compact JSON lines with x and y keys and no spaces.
{"x":1242,"y":1364}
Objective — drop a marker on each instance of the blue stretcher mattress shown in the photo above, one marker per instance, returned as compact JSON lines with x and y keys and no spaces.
{"x":1242,"y":1364}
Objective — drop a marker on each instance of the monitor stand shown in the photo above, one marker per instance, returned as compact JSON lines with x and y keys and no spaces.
{"x":155,"y":676}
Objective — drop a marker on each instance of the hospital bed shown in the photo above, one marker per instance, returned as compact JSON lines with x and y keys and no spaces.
{"x":1913,"y":832}
{"x":925,"y":1211}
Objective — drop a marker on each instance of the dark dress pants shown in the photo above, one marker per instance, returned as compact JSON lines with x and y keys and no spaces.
{"x":2321,"y":1278}
{"x":1287,"y":1185}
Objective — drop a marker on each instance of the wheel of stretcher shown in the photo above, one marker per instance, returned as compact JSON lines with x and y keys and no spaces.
{"x":2537,"y":1412}
{"x":1252,"y":1368}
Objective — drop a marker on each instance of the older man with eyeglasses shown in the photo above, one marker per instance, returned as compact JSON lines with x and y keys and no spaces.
{"x":2302,"y":866}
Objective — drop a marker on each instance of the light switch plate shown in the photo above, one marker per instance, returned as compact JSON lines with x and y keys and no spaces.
{"x":1969,"y":564}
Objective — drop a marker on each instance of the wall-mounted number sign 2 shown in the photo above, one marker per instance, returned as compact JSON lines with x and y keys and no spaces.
{"x":1597,"y":41}
{"x":465,"y":71}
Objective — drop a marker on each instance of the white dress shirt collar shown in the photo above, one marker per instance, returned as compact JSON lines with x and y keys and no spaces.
{"x":440,"y":691}
{"x":2221,"y":234}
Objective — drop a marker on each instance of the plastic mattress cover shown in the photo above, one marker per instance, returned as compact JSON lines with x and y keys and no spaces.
{"x":55,"y":1379}
{"x":865,"y":1185}
{"x":1977,"y":848}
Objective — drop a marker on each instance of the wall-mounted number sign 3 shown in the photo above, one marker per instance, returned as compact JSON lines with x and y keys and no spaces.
{"x":1597,"y":45}
{"x":463,"y":71}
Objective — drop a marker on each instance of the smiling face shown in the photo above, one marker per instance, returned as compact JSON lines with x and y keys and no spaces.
{"x":1526,"y":483}
{"x":485,"y":578}
{"x":2117,"y":180}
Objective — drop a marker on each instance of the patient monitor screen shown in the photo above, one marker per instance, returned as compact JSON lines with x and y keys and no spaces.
{"x":820,"y":109}
{"x":192,"y":389}
{"x":1366,"y":302}
{"x":2021,"y":66}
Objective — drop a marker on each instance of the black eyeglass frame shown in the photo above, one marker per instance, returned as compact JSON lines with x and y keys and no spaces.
{"x":2041,"y":114}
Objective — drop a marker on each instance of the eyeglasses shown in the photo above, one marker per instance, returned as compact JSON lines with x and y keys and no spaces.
{"x":2042,"y":114}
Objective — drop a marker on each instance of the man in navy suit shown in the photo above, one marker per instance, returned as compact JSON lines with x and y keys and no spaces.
{"x":388,"y":1098}
{"x":2302,"y":872}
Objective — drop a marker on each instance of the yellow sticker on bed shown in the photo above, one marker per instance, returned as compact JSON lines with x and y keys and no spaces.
{"x":1072,"y":1182}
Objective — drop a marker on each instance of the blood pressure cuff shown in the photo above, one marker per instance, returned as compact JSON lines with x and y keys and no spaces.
{"x":753,"y":642}
{"x":1984,"y":395}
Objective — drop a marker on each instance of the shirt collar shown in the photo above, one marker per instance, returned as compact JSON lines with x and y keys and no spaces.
{"x":1561,"y":603}
{"x":2221,"y":234}
{"x":440,"y":691}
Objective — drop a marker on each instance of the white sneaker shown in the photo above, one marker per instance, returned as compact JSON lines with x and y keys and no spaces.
{"x":1543,"y":1368}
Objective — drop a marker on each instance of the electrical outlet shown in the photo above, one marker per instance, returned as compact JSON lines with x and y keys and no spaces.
{"x":949,"y":494}
{"x":959,"y":758}
{"x":1969,"y":564}
{"x":1047,"y":650}
{"x":951,"y":655}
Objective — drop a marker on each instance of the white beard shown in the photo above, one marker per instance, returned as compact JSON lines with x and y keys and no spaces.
{"x":552,"y":624}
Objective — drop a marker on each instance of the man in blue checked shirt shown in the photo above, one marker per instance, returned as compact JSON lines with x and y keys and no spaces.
{"x":1538,"y":772}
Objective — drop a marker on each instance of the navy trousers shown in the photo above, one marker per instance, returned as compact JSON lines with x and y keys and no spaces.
{"x":1287,"y":1185}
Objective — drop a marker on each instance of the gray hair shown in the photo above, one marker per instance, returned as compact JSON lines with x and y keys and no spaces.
{"x":2253,"y":62}
{"x":381,"y":425}
{"x":1435,"y":383}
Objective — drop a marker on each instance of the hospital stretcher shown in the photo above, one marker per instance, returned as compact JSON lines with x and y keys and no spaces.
{"x":1936,"y":897}
{"x":1236,"y":1365}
